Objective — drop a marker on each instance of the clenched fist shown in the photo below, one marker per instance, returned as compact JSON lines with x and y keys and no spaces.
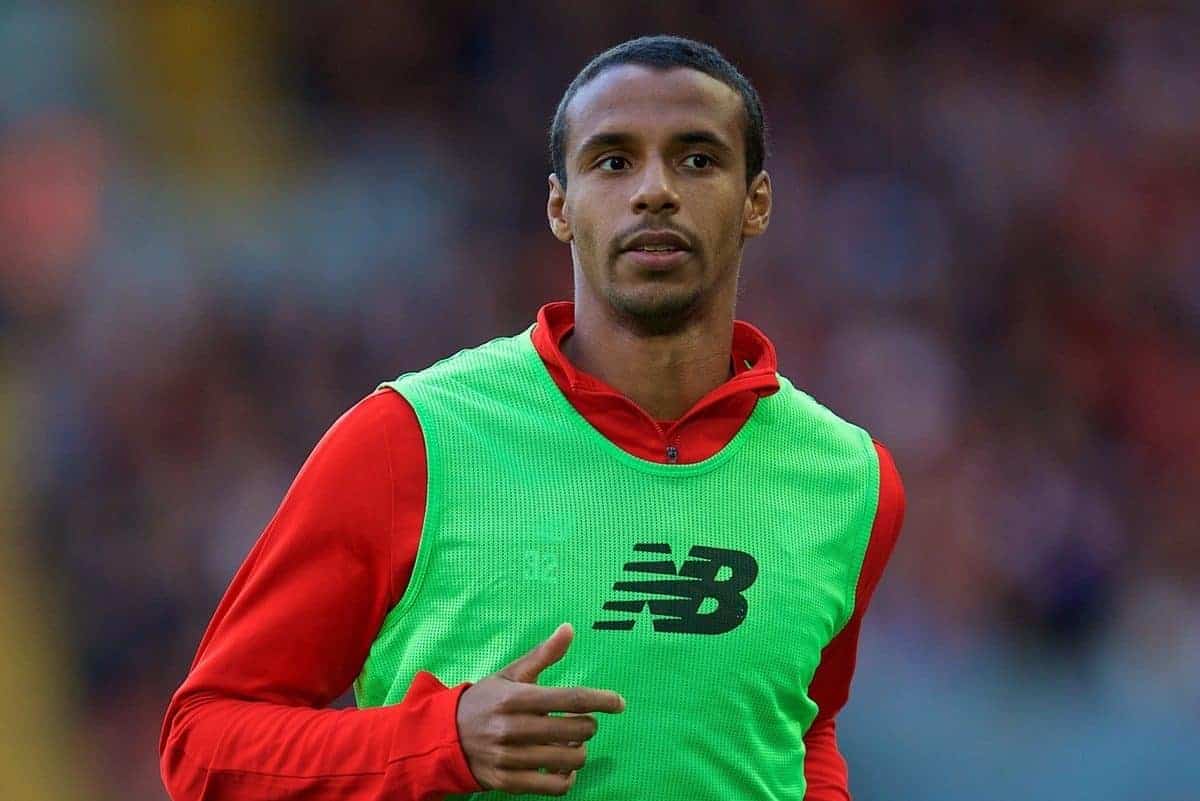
{"x":507,"y":733}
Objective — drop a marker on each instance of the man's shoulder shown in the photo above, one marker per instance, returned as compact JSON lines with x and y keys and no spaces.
{"x":468,"y":365}
{"x":815,"y":423}
{"x":360,"y":428}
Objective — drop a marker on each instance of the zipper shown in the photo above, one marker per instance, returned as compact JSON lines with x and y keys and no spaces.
{"x":672,"y":447}
{"x":733,"y":386}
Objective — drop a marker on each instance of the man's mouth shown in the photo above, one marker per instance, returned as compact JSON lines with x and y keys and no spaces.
{"x":651,"y":241}
{"x":657,"y":257}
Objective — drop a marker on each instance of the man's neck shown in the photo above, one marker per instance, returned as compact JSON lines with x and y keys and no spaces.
{"x":665,"y":374}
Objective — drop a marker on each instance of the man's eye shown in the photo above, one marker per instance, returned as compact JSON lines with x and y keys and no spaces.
{"x":608,"y":159}
{"x":705,"y":161}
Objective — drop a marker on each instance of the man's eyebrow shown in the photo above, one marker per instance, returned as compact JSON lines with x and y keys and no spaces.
{"x":703,"y":138}
{"x":605,"y":139}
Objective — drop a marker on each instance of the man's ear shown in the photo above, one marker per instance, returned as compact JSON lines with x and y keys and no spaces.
{"x":556,"y":210}
{"x":757,"y":211}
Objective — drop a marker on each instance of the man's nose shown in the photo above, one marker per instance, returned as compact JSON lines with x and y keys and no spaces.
{"x":655,"y":192}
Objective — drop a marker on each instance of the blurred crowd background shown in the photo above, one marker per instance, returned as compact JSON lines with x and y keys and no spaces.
{"x":221,"y":224}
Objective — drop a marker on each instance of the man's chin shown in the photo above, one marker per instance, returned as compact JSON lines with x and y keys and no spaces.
{"x":655,"y":310}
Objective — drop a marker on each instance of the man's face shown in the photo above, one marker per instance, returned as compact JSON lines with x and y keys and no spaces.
{"x":657,"y":151}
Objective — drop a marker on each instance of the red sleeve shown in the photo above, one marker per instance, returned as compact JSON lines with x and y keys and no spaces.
{"x":824,"y":768}
{"x":294,"y":628}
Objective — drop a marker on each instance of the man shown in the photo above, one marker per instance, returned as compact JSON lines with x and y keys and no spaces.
{"x":632,"y":465}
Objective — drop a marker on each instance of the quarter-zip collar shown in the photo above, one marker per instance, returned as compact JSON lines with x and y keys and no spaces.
{"x":703,"y":429}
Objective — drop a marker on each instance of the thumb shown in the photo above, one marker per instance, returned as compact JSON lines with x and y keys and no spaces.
{"x":528,"y":667}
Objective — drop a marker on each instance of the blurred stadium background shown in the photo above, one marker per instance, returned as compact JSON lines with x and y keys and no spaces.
{"x":222,"y":224}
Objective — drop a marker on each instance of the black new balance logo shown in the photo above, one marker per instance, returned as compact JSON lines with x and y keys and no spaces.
{"x":680,"y":610}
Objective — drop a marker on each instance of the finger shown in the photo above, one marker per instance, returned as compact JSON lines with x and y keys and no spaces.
{"x":527,"y":668}
{"x":534,"y":698}
{"x":546,"y":730}
{"x":530,"y":781}
{"x":557,"y":758}
{"x":571,"y":744}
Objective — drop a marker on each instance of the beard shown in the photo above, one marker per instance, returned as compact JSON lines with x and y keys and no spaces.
{"x":655,"y":309}
{"x":650,"y":304}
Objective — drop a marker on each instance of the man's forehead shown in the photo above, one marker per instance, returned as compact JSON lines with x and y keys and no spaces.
{"x":633,"y":97}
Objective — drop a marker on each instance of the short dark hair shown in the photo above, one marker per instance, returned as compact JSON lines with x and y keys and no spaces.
{"x":663,"y":53}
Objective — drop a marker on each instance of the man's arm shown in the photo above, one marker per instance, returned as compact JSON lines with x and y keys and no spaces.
{"x":824,"y":767}
{"x":294,"y":628}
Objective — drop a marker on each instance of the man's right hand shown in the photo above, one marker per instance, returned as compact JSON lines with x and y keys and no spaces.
{"x":507,"y":734}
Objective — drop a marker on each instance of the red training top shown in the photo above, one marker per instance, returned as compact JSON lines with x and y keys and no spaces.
{"x":295,"y":626}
